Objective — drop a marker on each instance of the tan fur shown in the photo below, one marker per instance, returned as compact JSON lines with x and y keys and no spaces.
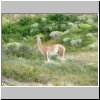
{"x":47,"y":50}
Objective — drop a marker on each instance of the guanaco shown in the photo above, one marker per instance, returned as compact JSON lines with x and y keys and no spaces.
{"x":50,"y":50}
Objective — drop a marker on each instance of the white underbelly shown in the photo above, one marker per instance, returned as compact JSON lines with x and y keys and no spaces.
{"x":53,"y":52}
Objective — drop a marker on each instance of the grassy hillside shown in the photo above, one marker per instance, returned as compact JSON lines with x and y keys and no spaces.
{"x":22,"y":61}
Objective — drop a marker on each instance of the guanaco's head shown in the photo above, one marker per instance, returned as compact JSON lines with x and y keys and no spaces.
{"x":38,"y":38}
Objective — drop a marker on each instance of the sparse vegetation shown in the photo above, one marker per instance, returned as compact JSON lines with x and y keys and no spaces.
{"x":22,"y":61}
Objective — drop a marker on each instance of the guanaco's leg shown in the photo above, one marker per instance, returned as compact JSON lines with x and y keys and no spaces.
{"x":62,"y":52}
{"x":46,"y":57}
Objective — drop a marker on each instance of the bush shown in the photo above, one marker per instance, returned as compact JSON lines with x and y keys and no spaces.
{"x":55,"y":34}
{"x":25,"y":52}
{"x":85,"y":26}
{"x":24,"y":21}
{"x":94,"y":28}
{"x":75,"y":42}
{"x":66,"y":39}
{"x":64,"y":27}
{"x":82,"y":18}
{"x":55,"y":17}
{"x":93,"y":46}
{"x":72,"y":25}
{"x":19,"y":51}
{"x":71,"y":18}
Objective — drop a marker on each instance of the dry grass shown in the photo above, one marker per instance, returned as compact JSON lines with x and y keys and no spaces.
{"x":79,"y":69}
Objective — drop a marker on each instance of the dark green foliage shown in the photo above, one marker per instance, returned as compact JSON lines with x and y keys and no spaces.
{"x":28,"y":27}
{"x":24,"y":21}
{"x":53,"y":22}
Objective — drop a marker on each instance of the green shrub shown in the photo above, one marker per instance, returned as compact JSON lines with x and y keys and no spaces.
{"x":94,"y":28}
{"x":22,"y":51}
{"x":24,"y":21}
{"x":85,"y":26}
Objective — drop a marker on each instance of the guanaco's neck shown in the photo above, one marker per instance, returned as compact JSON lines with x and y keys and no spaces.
{"x":40,"y":46}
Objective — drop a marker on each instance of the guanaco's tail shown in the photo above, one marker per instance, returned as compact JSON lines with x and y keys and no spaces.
{"x":61,"y":50}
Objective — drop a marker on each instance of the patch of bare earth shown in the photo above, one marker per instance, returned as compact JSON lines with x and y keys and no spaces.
{"x":12,"y":82}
